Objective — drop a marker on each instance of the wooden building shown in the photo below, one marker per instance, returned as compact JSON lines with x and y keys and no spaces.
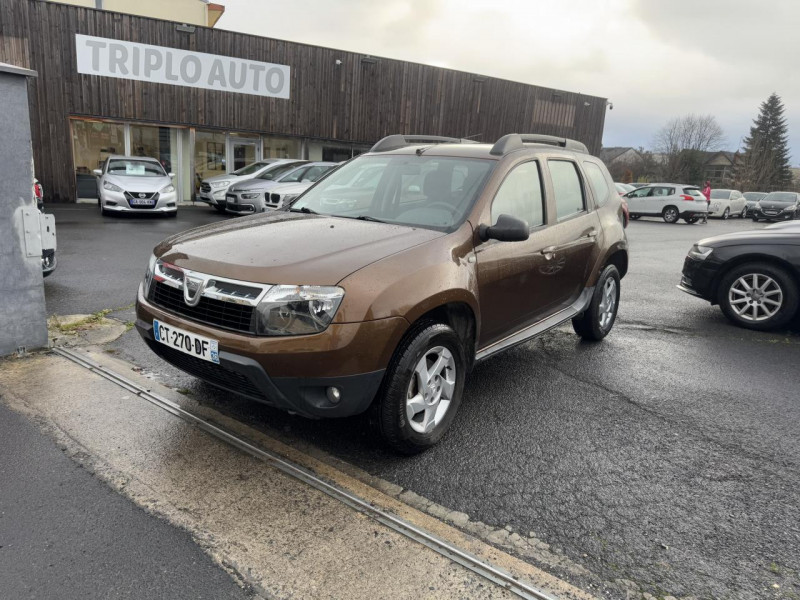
{"x":205,"y":101}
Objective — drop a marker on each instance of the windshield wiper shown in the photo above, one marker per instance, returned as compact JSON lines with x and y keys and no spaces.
{"x":304,"y":209}
{"x":368,"y":218}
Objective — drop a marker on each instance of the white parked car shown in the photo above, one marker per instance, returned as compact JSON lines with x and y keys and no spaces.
{"x":670,"y":201}
{"x":213,"y":190}
{"x":135,"y":184}
{"x":253,"y":196}
{"x":727,"y":203}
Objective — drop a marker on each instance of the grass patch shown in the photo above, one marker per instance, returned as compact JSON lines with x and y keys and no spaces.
{"x":184,"y":391}
{"x":74,"y":326}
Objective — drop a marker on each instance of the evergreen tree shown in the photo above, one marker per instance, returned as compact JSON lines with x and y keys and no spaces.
{"x":765,"y":160}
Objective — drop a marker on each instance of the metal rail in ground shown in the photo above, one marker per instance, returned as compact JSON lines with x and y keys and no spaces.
{"x":438,"y":545}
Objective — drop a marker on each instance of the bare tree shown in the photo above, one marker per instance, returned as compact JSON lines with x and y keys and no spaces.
{"x":682,"y":141}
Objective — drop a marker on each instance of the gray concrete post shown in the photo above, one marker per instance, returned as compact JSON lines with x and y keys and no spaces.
{"x":23,"y":317}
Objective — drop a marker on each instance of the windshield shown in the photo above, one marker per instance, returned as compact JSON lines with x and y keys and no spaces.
{"x":720,"y":194}
{"x":787,"y":197}
{"x":251,"y":168}
{"x":274,"y":173}
{"x":433,"y":192}
{"x":136,"y":168}
{"x":306,"y":173}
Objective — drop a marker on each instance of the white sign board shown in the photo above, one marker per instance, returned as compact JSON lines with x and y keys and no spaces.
{"x":158,"y":64}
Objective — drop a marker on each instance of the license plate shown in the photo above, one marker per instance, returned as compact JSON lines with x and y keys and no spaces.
{"x":141,"y":202}
{"x":186,"y":342}
{"x":231,"y":198}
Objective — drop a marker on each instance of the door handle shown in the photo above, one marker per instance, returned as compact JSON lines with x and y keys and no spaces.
{"x":592,"y":234}
{"x":549,"y":252}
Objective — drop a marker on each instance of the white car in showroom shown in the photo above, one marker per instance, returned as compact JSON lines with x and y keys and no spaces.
{"x":213,"y":190}
{"x":259,"y":194}
{"x":727,"y":203}
{"x":670,"y":201}
{"x":139,"y":184}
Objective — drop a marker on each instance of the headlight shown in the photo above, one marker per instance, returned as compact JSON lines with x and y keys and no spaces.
{"x":111,"y":187}
{"x":789,"y":208}
{"x":297,"y":309}
{"x":700,"y":252}
{"x":219,"y":184}
{"x":251,"y":195}
{"x":148,"y":275}
{"x":168,"y":189}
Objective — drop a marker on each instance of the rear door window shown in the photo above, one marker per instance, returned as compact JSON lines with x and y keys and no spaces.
{"x":663,"y":191}
{"x":598,"y":182}
{"x":567,"y":188}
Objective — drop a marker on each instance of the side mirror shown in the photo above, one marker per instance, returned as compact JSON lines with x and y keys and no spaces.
{"x":171,"y":175}
{"x":98,"y":172}
{"x":507,"y":229}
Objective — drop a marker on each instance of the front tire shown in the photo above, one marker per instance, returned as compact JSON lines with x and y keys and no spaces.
{"x":726,"y":214}
{"x":758,"y":296}
{"x":422,"y":388}
{"x":692,"y":220}
{"x":670,"y":214}
{"x":597,"y":320}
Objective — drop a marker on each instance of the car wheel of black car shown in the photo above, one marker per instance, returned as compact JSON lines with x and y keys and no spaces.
{"x":219,"y":209}
{"x":597,"y":320}
{"x":692,"y":220}
{"x":755,"y":219}
{"x":670,"y":214}
{"x":422,"y":388}
{"x":758,"y":296}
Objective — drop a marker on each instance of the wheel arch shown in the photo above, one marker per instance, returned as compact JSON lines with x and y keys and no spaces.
{"x":753,"y":257}
{"x":458,"y":314}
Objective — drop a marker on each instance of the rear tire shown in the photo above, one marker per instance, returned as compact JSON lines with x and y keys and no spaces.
{"x":597,"y":320}
{"x":428,"y":369}
{"x":670,"y":214}
{"x":692,"y":220}
{"x":772,"y":307}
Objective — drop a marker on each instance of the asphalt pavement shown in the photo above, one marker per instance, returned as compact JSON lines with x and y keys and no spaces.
{"x":665,"y":456}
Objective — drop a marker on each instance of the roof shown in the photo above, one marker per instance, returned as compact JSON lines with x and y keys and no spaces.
{"x":465,"y":150}
{"x":614,"y":152}
{"x":126,"y":157}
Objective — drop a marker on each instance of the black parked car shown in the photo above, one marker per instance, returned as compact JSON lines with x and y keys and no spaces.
{"x":754,"y":276}
{"x":777,"y":206}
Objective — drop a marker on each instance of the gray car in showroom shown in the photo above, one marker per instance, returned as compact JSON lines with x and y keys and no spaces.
{"x":255,"y":195}
{"x":135,"y":184}
{"x":213,"y":189}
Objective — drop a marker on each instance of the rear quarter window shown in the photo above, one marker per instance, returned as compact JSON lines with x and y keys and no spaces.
{"x":598,"y":182}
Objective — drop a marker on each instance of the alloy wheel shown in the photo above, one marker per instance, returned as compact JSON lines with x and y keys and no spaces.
{"x":608,"y":303}
{"x":431,"y":389}
{"x":670,"y":215}
{"x":755,"y":297}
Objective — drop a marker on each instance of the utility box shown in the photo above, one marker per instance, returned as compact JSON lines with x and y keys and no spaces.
{"x":23,"y":316}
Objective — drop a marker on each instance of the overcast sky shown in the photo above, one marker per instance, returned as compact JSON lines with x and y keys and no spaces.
{"x":653,"y":59}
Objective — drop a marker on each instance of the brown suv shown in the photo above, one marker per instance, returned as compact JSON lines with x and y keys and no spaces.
{"x":385,"y":282}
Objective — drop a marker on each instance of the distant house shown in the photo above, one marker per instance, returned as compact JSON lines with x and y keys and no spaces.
{"x":718,"y":168}
{"x":619,"y":155}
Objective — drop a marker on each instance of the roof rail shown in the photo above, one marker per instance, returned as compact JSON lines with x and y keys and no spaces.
{"x":393,"y":142}
{"x":517,"y":141}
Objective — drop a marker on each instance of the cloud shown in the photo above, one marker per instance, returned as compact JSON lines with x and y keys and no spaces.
{"x":655,"y":60}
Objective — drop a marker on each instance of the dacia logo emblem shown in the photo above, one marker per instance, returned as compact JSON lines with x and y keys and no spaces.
{"x":142,"y":195}
{"x":192,"y":290}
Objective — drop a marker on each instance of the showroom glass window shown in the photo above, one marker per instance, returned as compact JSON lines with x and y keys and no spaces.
{"x":280,"y":147}
{"x":160,"y":143}
{"x":209,"y":155}
{"x":92,"y":143}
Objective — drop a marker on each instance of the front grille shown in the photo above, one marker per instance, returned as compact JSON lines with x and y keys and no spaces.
{"x":228,"y":315}
{"x":205,"y":187}
{"x":151,"y":197}
{"x":275,"y":198}
{"x":208,"y":371}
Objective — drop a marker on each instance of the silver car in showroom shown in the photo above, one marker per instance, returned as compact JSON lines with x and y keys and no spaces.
{"x":135,"y":184}
{"x":254,"y":195}
{"x":213,"y":189}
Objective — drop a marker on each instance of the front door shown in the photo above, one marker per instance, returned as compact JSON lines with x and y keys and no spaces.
{"x":244,"y":152}
{"x":515,"y":279}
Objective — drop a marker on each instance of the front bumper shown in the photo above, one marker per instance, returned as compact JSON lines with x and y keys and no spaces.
{"x":117,"y":202}
{"x":293,"y":372}
{"x":238,"y":205}
{"x":698,"y":278}
{"x":214,"y":197}
{"x":757,"y":213}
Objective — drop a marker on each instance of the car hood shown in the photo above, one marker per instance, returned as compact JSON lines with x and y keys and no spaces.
{"x":753,"y":236}
{"x":138,"y":184}
{"x":772,"y":204}
{"x":226,"y":177}
{"x":292,"y":188}
{"x":289,"y":248}
{"x":253,"y":184}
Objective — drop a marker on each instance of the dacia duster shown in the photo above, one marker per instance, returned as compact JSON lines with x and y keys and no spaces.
{"x":384,"y":283}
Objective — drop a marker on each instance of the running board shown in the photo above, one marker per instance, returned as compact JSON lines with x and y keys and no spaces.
{"x":531,"y":331}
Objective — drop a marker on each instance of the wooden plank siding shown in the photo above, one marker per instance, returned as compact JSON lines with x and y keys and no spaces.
{"x":355,"y":102}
